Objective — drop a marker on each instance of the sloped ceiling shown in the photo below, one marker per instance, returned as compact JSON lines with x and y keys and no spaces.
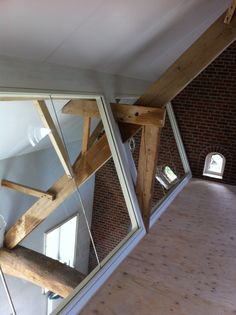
{"x":133,"y":38}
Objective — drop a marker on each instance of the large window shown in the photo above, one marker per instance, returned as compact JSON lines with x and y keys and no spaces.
{"x":214,"y":165}
{"x":60,"y":244}
{"x":61,"y":241}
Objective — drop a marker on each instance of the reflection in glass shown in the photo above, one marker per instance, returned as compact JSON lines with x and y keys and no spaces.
{"x":87,"y":226}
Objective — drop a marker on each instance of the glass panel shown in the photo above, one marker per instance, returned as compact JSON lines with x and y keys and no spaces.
{"x":110,"y":220}
{"x":87,"y":223}
{"x":168,"y":158}
{"x":5,"y":307}
{"x":26,"y":157}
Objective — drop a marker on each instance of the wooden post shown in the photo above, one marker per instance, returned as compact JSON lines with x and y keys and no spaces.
{"x":147,"y":165}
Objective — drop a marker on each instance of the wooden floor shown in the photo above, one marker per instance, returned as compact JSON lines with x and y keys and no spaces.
{"x":185,"y":266}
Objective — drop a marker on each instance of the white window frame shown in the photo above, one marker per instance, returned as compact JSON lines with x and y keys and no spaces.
{"x":209,"y":173}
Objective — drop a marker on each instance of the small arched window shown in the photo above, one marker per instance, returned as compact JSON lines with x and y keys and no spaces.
{"x":214,"y":165}
{"x":170,"y":175}
{"x":166,"y":176}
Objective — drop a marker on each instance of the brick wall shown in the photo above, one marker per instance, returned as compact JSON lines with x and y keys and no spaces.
{"x":110,"y":220}
{"x":206,"y":115}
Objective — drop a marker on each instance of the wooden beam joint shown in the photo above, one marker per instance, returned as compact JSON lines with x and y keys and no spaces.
{"x":123,"y":113}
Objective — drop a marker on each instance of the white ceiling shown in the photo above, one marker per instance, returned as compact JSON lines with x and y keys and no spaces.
{"x":135,"y":38}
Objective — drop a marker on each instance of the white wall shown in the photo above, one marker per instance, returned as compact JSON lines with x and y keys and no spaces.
{"x":16,"y":74}
{"x":40,"y":170}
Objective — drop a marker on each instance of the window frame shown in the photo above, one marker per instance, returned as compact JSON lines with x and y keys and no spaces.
{"x":212,"y":174}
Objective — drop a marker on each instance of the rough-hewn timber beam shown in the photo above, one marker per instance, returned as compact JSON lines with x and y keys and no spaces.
{"x":147,"y":165}
{"x":43,"y":271}
{"x":123,"y":113}
{"x":82,"y":107}
{"x":138,"y":115}
{"x":193,"y":61}
{"x":27,"y":190}
{"x":53,"y":135}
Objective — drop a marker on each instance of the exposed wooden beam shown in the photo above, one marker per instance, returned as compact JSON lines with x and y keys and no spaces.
{"x":147,"y":165}
{"x":96,"y":134}
{"x":27,"y":190}
{"x":193,"y":61}
{"x":230,"y":12}
{"x":53,"y":135}
{"x":82,"y":107}
{"x":86,"y":133}
{"x":138,"y":115}
{"x":41,"y":270}
{"x":123,"y":113}
{"x":84,"y":168}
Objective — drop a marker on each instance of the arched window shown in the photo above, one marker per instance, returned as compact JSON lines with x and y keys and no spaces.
{"x":214,"y":165}
{"x":166,"y":176}
{"x":170,"y":175}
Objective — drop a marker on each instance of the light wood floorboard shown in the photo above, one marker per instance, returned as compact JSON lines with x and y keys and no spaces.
{"x":186,"y":265}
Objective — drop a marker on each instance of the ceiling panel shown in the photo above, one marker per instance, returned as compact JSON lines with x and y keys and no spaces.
{"x":33,"y":29}
{"x":134,"y":38}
